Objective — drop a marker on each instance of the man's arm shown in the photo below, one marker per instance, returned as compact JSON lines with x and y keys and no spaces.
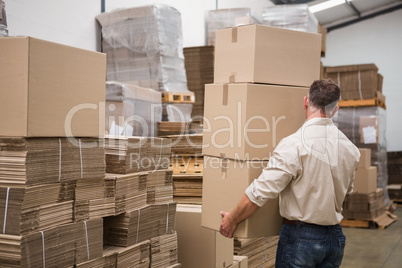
{"x":244,"y":209}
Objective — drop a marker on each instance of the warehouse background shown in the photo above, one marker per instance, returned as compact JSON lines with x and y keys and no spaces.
{"x":72,"y":22}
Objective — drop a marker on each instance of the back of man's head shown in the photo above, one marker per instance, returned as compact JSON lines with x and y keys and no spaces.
{"x":324,"y":95}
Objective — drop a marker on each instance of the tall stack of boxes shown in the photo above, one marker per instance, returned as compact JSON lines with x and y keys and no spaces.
{"x":145,"y":51}
{"x":362,"y":113}
{"x":367,"y":201}
{"x":144,"y":218}
{"x":261,"y":75}
{"x":50,"y":97}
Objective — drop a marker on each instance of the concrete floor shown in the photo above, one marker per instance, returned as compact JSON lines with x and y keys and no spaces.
{"x":374,"y":248}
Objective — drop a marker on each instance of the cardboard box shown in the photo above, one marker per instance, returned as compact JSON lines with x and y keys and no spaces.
{"x":365,"y":158}
{"x":198,"y":246}
{"x":224,"y":183}
{"x":50,"y":90}
{"x":356,"y":81}
{"x":243,"y":261}
{"x":247,"y":121}
{"x":380,"y":80}
{"x":323,"y":31}
{"x":264,"y":54}
{"x":365,"y":180}
{"x":234,"y":265}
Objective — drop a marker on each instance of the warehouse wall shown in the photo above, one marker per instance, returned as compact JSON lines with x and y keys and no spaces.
{"x":377,"y":40}
{"x":70,"y":22}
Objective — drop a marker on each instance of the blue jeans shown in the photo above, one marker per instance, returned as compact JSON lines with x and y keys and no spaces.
{"x":310,"y":246}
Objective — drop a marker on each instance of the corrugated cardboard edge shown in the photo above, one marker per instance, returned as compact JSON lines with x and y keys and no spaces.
{"x":385,"y":220}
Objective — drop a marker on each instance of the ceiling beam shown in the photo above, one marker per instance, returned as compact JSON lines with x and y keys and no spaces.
{"x":286,"y":2}
{"x":352,"y":6}
{"x":363,"y":16}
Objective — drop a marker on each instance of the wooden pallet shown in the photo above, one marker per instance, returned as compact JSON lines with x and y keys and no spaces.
{"x":186,"y":164}
{"x":178,"y":97}
{"x":358,"y":224}
{"x":380,"y":222}
{"x":359,"y":103}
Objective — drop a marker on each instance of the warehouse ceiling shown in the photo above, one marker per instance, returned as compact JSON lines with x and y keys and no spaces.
{"x":349,"y":12}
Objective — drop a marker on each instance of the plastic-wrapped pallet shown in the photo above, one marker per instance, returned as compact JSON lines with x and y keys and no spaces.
{"x":3,"y":19}
{"x":132,"y":110}
{"x":366,"y":128}
{"x":224,"y":18}
{"x":295,"y":17}
{"x":144,"y":47}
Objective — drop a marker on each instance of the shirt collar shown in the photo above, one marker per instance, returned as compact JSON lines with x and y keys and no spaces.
{"x":318,"y":121}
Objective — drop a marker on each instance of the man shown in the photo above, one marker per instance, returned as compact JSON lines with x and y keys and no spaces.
{"x":312,"y":171}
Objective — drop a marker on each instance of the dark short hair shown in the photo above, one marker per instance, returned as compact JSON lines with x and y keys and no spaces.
{"x":323,"y":93}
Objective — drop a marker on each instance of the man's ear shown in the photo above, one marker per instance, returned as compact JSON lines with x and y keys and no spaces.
{"x":335,"y":110}
{"x":305,"y":103}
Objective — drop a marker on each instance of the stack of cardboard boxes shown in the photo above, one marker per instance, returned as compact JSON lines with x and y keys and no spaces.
{"x":367,"y":203}
{"x":50,"y":109}
{"x":366,"y":175}
{"x":261,"y":75}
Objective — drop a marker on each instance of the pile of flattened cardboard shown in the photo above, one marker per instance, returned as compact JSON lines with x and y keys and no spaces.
{"x":128,"y":190}
{"x":139,"y":225}
{"x":27,"y":209}
{"x":137,"y":255}
{"x":34,"y":161}
{"x":164,"y":250}
{"x":135,"y":154}
{"x":61,"y":246}
{"x":159,"y":187}
{"x":260,"y":251}
{"x":199,"y":62}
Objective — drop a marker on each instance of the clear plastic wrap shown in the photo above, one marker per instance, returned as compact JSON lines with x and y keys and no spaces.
{"x":295,"y":17}
{"x":144,"y":47}
{"x":3,"y":20}
{"x":224,"y":18}
{"x":132,"y":110}
{"x":366,"y":128}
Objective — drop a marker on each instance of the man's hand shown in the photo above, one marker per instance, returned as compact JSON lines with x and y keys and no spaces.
{"x":228,"y":225}
{"x":230,"y":220}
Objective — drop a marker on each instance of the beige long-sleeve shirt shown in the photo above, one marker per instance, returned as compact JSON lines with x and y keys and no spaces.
{"x":312,"y":171}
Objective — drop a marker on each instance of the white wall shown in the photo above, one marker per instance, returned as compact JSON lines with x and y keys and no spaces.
{"x":377,"y":40}
{"x":69,"y":22}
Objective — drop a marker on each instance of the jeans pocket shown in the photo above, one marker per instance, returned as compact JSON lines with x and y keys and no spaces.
{"x":308,"y":253}
{"x":341,"y":249}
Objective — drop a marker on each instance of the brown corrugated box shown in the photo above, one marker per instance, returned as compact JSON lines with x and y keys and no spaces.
{"x":365,"y":158}
{"x":356,"y":81}
{"x":323,"y":31}
{"x":50,"y":90}
{"x":199,"y":246}
{"x":365,"y":180}
{"x":242,"y":260}
{"x":264,"y":54}
{"x":247,"y":121}
{"x":224,"y":183}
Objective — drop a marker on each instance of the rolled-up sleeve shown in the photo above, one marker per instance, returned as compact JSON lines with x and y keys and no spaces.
{"x":267,"y":186}
{"x":282,"y":167}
